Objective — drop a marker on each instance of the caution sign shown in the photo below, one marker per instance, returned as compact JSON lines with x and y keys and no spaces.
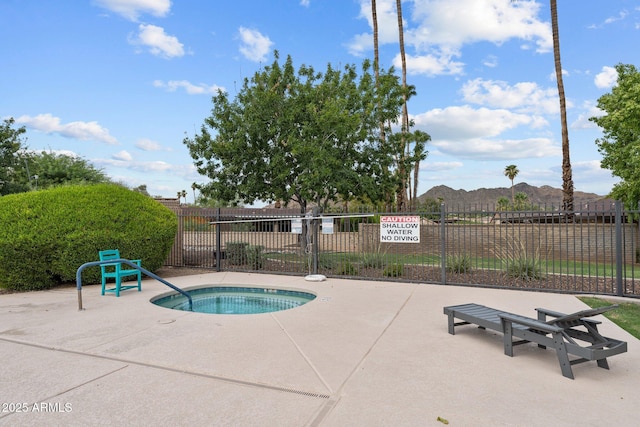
{"x":400,"y":229}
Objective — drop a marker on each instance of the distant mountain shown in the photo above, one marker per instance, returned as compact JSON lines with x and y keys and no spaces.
{"x":542,"y":196}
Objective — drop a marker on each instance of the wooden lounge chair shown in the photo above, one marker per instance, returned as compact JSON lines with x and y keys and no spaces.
{"x":561,"y":332}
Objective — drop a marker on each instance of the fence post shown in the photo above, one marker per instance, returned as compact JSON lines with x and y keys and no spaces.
{"x":443,"y":245}
{"x":618,"y":250}
{"x":218,"y":241}
{"x":314,"y":248}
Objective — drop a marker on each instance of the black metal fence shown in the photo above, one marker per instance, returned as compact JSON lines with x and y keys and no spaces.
{"x":593,"y":250}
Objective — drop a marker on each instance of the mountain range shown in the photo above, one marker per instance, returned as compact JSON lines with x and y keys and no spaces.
{"x":540,"y":196}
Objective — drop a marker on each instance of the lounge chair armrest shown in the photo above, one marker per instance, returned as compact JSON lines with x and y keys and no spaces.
{"x":543,"y":312}
{"x":530,"y":323}
{"x":548,"y":312}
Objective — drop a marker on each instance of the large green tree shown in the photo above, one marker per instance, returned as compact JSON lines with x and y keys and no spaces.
{"x":11,"y":168}
{"x":49,"y":169}
{"x":302,"y":136}
{"x":620,"y":143}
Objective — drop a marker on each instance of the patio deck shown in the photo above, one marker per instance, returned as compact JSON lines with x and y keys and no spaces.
{"x":363,"y":353}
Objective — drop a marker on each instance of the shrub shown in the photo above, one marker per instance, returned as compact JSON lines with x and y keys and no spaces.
{"x":326,"y":261}
{"x":458,"y":263}
{"x":346,"y":269}
{"x":237,"y":253}
{"x":255,"y":256}
{"x":373,"y":259}
{"x":393,"y":270}
{"x":521,"y":262}
{"x":47,"y":235}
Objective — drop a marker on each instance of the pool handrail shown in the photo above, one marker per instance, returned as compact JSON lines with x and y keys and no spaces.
{"x":131,"y":264}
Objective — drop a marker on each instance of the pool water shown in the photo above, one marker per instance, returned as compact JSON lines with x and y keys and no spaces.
{"x":235,"y":300}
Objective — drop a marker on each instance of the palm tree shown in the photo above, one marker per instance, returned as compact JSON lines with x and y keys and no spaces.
{"x":521,"y":201}
{"x":193,"y":187}
{"x":401,"y":193}
{"x":567,"y":180}
{"x":183,"y":193}
{"x":511,"y":172}
{"x":503,"y":204}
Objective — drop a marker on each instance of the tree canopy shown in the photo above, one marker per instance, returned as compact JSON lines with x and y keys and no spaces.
{"x":620,"y":143}
{"x":11,"y":142}
{"x":23,"y":170}
{"x":304,"y":136}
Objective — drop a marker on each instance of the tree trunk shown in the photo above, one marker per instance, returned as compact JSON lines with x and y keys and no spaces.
{"x":376,"y":73}
{"x":401,"y":194}
{"x":567,"y":180}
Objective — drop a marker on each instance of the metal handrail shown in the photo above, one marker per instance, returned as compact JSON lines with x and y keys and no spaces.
{"x":131,"y":264}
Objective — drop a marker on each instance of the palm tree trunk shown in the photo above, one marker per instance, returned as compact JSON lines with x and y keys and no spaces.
{"x":401,"y":194}
{"x":376,"y":73}
{"x":567,"y":180}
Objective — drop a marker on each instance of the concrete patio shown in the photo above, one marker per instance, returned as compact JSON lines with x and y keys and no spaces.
{"x":363,"y":353}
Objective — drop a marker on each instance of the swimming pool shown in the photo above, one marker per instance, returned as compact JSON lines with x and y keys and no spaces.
{"x":234,"y":300}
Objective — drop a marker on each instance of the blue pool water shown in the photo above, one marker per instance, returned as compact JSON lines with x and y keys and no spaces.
{"x":235,"y":300}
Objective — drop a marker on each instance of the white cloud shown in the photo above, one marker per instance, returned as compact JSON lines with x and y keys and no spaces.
{"x":190,"y":88}
{"x":523,"y":96}
{"x":157,"y":166}
{"x":158,"y":42}
{"x":253,"y":45}
{"x":440,"y":166}
{"x":438,"y":29}
{"x":590,"y":110}
{"x":470,"y":133}
{"x":145,"y":144}
{"x":132,"y":9}
{"x":387,"y":26}
{"x":490,"y":61}
{"x":123,"y":155}
{"x":305,"y":3}
{"x":610,"y":20}
{"x":429,"y":64}
{"x":498,"y":149}
{"x":85,"y":131}
{"x":606,"y":78}
{"x":466,"y":122}
{"x":454,"y":23}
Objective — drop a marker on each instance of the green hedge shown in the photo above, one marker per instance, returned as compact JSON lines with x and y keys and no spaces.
{"x":46,"y":235}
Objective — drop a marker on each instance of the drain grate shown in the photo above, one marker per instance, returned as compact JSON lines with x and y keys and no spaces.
{"x":305,"y":393}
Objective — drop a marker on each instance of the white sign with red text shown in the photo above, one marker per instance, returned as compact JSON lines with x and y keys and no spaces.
{"x":400,"y":229}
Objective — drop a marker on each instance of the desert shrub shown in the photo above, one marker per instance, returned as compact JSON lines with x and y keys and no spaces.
{"x":458,"y":263}
{"x":326,"y":261}
{"x":393,"y":270}
{"x":255,"y":256}
{"x":237,"y":253}
{"x":521,"y":262}
{"x":373,"y":259}
{"x":346,"y":268}
{"x":46,"y":235}
{"x":525,"y":268}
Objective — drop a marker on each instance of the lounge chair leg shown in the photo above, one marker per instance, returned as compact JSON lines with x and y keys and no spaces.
{"x":603,"y":363}
{"x":451,"y":323}
{"x":563,"y":357}
{"x":507,"y":334}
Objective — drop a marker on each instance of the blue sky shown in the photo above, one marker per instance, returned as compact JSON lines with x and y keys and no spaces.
{"x":121,"y":82}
